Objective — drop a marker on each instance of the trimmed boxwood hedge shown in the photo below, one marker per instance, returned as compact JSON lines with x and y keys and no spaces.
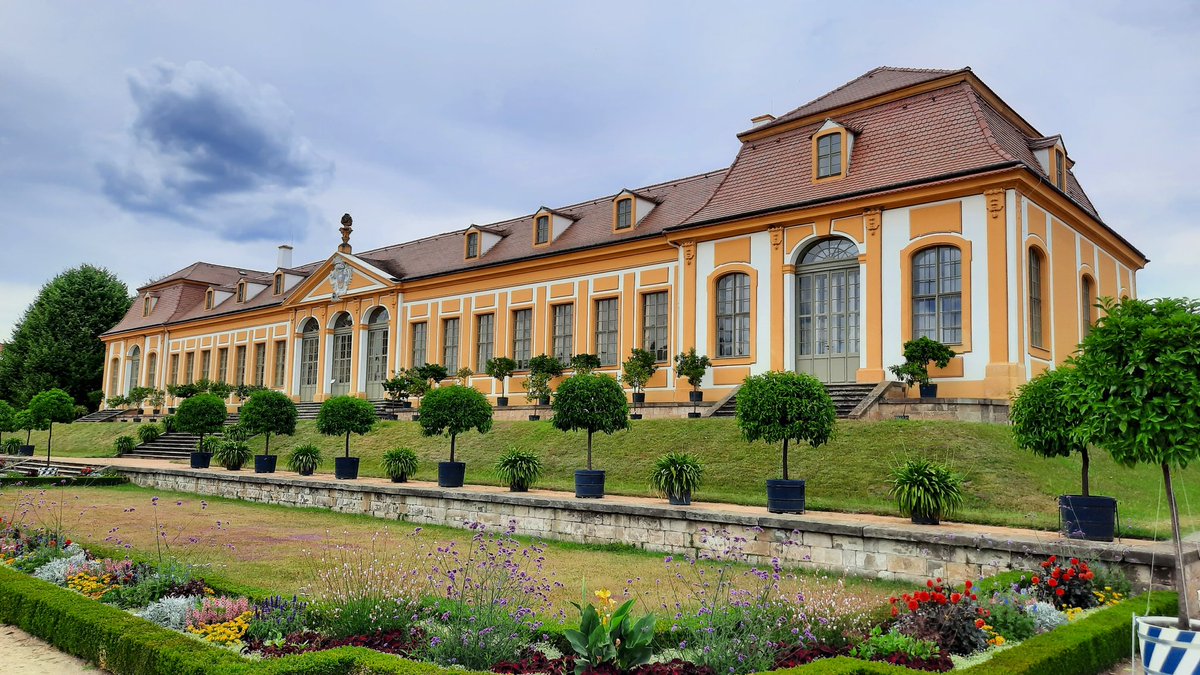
{"x":81,"y":481}
{"x":126,"y":644}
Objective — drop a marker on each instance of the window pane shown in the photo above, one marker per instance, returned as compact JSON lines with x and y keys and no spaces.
{"x":563,"y":342}
{"x":419,"y":357}
{"x":733,"y":315}
{"x":450,"y":345}
{"x":280,"y":363}
{"x":485,"y":342}
{"x":522,"y":337}
{"x":260,"y":364}
{"x":606,"y":332}
{"x":654,"y":324}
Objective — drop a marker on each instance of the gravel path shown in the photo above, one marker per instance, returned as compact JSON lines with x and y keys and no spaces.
{"x":27,"y":655}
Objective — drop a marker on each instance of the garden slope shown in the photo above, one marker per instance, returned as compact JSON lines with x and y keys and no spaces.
{"x":1004,"y":485}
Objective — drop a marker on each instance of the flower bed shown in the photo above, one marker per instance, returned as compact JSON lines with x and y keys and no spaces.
{"x":485,"y":607}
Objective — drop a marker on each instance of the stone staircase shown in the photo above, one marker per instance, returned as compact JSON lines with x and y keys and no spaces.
{"x":383,"y":409}
{"x":175,"y":445}
{"x":64,"y":469}
{"x":845,"y":398}
{"x":101,"y":415}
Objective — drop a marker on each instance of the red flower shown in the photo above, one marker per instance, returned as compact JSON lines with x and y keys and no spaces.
{"x":68,"y":543}
{"x":1053,"y":559}
{"x":1074,"y":561}
{"x":929,"y":583}
{"x":1034,"y":581}
{"x":912,"y":605}
{"x":1052,"y":583}
{"x":939,"y":580}
{"x":1057,"y":572}
{"x":1046,"y":564}
{"x":1060,"y":592}
{"x":1088,"y":575}
{"x":968,"y":585}
{"x":955,"y":597}
{"x":974,"y":597}
{"x":979,"y":623}
{"x":895,"y":611}
{"x":939,"y":598}
{"x":892,"y":600}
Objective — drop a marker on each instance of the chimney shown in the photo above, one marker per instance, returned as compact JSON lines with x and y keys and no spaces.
{"x":284,"y":259}
{"x":762,"y":119}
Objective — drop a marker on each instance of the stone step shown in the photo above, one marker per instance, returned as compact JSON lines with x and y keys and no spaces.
{"x":846,"y":398}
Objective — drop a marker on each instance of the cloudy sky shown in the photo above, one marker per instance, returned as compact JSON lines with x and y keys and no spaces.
{"x":145,"y":136}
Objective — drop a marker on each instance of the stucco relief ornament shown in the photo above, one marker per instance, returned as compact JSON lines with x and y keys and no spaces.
{"x":339,"y":279}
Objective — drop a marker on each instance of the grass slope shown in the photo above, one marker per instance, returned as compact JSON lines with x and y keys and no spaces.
{"x":1004,"y":485}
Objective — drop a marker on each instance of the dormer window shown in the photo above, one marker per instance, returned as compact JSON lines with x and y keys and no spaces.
{"x":548,"y":225}
{"x":208,"y":299}
{"x":278,"y":283}
{"x":624,"y":214}
{"x":472,"y":245}
{"x":1060,"y":170}
{"x":241,"y":291}
{"x":829,"y":155}
{"x":542,"y":230}
{"x":147,"y":305}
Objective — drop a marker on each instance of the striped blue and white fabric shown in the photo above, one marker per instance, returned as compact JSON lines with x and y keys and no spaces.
{"x":1167,"y":650}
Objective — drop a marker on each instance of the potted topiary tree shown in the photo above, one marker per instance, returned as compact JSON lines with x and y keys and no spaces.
{"x":584,"y":364}
{"x":49,"y":407}
{"x":157,"y":399}
{"x":25,"y":421}
{"x":115,"y":402}
{"x":677,"y":475}
{"x":1138,"y":390}
{"x":452,"y":411}
{"x":519,"y":469}
{"x":399,"y":464}
{"x":137,"y":398}
{"x":590,"y":403}
{"x":201,"y":414}
{"x":397,"y":388}
{"x":693,"y":366}
{"x":542,"y":369}
{"x":637,"y":371}
{"x":433,"y":373}
{"x":345,"y":415}
{"x":926,"y":491}
{"x":418,"y":385}
{"x":268,"y":412}
{"x":501,"y":368}
{"x":1044,"y":420}
{"x":786,"y":407}
{"x":917,"y":356}
{"x":463,"y":375}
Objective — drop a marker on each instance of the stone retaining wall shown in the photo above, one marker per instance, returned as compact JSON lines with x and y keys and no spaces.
{"x":830,"y":542}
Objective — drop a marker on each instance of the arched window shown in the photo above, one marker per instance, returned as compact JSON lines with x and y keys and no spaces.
{"x":378,"y":316}
{"x":310,"y":325}
{"x":133,"y":368}
{"x":377,"y":352}
{"x":151,"y":369}
{"x":1036,"y":287}
{"x":114,"y":374}
{"x":1087,"y":300}
{"x":309,"y":348}
{"x":733,"y":315}
{"x":937,"y":294}
{"x":829,"y":250}
{"x":343,"y":348}
{"x":343,"y":320}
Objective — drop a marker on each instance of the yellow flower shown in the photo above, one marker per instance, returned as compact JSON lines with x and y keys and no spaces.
{"x":604,"y":594}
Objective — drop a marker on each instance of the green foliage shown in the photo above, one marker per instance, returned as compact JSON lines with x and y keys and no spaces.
{"x":500,"y":367}
{"x":8,"y":418}
{"x":269,"y":412}
{"x":399,"y":463}
{"x":148,"y":433}
{"x":417,"y":384}
{"x":620,"y":641}
{"x":463,"y":375}
{"x":304,"y":459}
{"x":676,"y":473}
{"x":1011,"y":622}
{"x":237,"y":432}
{"x":60,"y":481}
{"x":590,"y":403}
{"x":925,"y":488}
{"x":56,"y":343}
{"x":433,"y":373}
{"x":10,"y":445}
{"x":917,"y":356}
{"x":168,"y":423}
{"x":219,"y":389}
{"x":638,"y":368}
{"x":345,"y":415}
{"x":117,"y":401}
{"x":519,"y":468}
{"x":397,"y":388}
{"x":124,"y":444}
{"x":209,"y":444}
{"x":180,"y":391}
{"x":138,"y":395}
{"x":584,"y":364}
{"x":693,"y":366}
{"x":201,"y":414}
{"x":52,"y":406}
{"x":543,"y":364}
{"x":232,"y":455}
{"x":25,"y":421}
{"x":785,"y":407}
{"x":882,"y":645}
{"x":1045,"y":418}
{"x":454,"y":410}
{"x":157,"y":398}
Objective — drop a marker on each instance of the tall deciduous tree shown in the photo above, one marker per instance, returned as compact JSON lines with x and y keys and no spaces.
{"x":56,"y":344}
{"x":8,"y":418}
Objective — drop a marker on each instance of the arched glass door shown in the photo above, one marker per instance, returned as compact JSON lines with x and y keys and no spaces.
{"x":377,"y":352}
{"x":343,"y":345}
{"x":827,"y":312}
{"x":310,"y":343}
{"x":133,"y":369}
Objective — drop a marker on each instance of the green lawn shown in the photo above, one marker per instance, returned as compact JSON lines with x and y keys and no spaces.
{"x":1004,"y":485}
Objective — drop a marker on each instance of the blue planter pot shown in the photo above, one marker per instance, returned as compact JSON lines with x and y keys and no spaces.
{"x":785,"y":496}
{"x":201,"y":460}
{"x":451,"y":474}
{"x":1166,"y":649}
{"x":1090,"y":518}
{"x":589,"y":484}
{"x":345,"y":468}
{"x":265,"y":463}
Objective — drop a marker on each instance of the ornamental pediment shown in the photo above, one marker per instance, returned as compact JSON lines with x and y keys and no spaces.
{"x":343,"y":275}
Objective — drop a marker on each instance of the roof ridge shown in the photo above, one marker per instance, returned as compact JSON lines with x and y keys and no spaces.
{"x":869,"y":73}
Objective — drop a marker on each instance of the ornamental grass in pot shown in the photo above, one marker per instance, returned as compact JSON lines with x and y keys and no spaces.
{"x":233,"y":455}
{"x":926,"y":491}
{"x":519,"y":469}
{"x":399,"y":464}
{"x":305,"y":459}
{"x":677,"y":475}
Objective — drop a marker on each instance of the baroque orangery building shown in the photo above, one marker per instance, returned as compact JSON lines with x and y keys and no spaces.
{"x":905,"y":203}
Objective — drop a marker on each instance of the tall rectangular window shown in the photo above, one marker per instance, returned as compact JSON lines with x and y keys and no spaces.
{"x":239,"y":373}
{"x":174,"y":369}
{"x":733,"y":315}
{"x":654,"y":324}
{"x":190,"y":366}
{"x":937,"y":294}
{"x":472,"y":244}
{"x":260,"y":364}
{"x":278,"y":284}
{"x":522,"y":337}
{"x":223,"y":364}
{"x":206,"y":363}
{"x":1060,"y":171}
{"x":607,"y":327}
{"x":241,"y":292}
{"x":280,"y":363}
{"x":624,"y":213}
{"x":563,"y":340}
{"x":485,"y":340}
{"x":419,"y":355}
{"x":829,"y":155}
{"x":543,"y":230}
{"x":1035,"y":299}
{"x":450,"y":345}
